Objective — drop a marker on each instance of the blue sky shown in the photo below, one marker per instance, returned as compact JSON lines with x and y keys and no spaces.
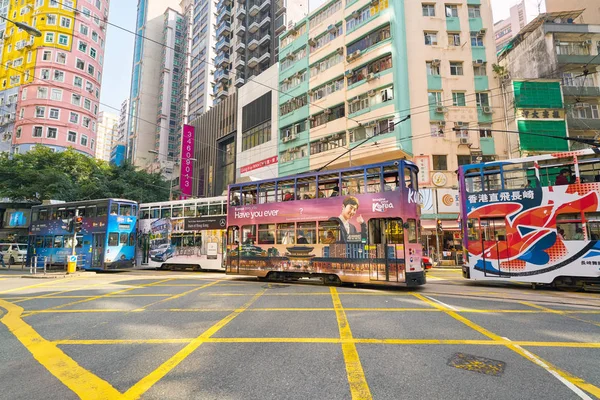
{"x":119,"y":47}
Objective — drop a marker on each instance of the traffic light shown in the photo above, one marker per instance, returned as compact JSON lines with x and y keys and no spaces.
{"x":439,"y":226}
{"x":78,"y":223}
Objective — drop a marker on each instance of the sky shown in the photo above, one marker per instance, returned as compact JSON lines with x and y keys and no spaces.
{"x":119,"y":46}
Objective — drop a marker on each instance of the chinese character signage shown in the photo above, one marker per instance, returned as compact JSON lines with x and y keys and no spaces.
{"x":424,"y":169}
{"x":187,"y":164}
{"x":258,"y":164}
{"x":516,"y":195}
{"x":447,"y":201}
{"x":540,"y":113}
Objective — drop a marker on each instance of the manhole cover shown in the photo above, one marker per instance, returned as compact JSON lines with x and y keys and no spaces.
{"x":480,"y":365}
{"x":271,"y":286}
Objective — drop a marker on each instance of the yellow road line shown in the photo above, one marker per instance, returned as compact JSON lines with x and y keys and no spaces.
{"x":137,"y":390}
{"x":82,"y":382}
{"x":580,"y":383}
{"x":28,"y":287}
{"x":84,"y":287}
{"x":177,"y":296}
{"x":560,"y":312}
{"x":359,"y":389}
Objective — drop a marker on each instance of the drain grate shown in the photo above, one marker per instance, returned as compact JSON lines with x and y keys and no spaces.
{"x":480,"y":365}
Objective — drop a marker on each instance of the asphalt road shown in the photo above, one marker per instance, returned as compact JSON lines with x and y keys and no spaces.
{"x":174,"y":335}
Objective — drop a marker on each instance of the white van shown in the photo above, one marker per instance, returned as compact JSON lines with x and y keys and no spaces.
{"x":13,"y":253}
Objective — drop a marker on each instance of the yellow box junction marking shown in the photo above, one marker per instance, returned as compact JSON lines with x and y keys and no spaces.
{"x":580,"y":383}
{"x":560,"y":312}
{"x":359,"y":389}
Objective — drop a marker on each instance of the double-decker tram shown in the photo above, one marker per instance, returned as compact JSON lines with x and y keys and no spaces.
{"x":533,"y":219}
{"x":358,"y":225}
{"x":183,"y":234}
{"x":105,"y":238}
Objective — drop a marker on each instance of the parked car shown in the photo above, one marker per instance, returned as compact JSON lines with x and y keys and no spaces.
{"x":162,"y":252}
{"x":13,"y":253}
{"x":427,"y":263}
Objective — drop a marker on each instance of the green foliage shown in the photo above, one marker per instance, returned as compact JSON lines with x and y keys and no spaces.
{"x":43,"y":175}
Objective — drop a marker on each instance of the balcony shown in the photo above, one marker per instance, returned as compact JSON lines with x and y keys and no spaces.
{"x":223,"y":13}
{"x":266,"y":39}
{"x":240,"y":13}
{"x":224,"y":29}
{"x":240,"y":29}
{"x":252,"y":62}
{"x":239,"y":81}
{"x":240,"y":47}
{"x":239,"y":63}
{"x":578,"y":59}
{"x":253,"y":43}
{"x":222,"y":93}
{"x":253,"y":27}
{"x":222,"y":75}
{"x":265,"y":4}
{"x":222,"y":59}
{"x":280,"y":6}
{"x":255,"y":9}
{"x":265,"y":21}
{"x":264,"y":57}
{"x":223,"y":44}
{"x":583,"y":124}
{"x":581,"y":91}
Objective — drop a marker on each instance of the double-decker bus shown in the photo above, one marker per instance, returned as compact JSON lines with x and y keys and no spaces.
{"x":106,"y":240}
{"x":183,"y":234}
{"x":358,"y":225}
{"x":533,"y":219}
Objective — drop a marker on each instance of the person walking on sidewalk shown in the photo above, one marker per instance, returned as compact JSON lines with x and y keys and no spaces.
{"x":2,"y":258}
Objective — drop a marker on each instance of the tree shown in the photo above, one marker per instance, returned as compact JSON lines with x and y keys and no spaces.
{"x":42,"y":174}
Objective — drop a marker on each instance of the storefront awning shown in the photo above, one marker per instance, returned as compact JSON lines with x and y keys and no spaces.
{"x":428,"y":224}
{"x":450,"y":225}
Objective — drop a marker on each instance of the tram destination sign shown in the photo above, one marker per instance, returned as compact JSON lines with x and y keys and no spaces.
{"x":200,"y":223}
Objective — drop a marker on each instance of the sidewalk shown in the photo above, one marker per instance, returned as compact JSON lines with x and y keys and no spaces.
{"x":17,"y":272}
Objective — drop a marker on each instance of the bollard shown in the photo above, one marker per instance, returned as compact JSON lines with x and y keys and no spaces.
{"x":44,"y":266}
{"x":32,"y":264}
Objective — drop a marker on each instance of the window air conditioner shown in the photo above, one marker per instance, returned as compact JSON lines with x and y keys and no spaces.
{"x":486,"y":109}
{"x":370,"y":77}
{"x":440,"y":109}
{"x":463,"y":140}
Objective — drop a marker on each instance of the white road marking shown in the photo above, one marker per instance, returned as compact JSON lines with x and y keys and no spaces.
{"x":443,"y":304}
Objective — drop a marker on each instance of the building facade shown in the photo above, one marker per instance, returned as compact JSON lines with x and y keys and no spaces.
{"x":506,"y":29}
{"x":554,"y":85}
{"x":51,"y":84}
{"x":106,"y":138}
{"x":589,"y":16}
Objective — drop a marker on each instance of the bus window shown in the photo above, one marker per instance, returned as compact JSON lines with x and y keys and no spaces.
{"x":80,"y":242}
{"x":58,"y":242}
{"x":102,"y":210}
{"x":473,"y":229}
{"x":39,"y":242}
{"x":215,"y":209}
{"x":374,"y":180}
{"x":202,"y":209}
{"x":353,"y":182}
{"x":286,"y":191}
{"x":43,"y":214}
{"x":249,"y":234}
{"x":165,"y":212}
{"x":114,"y":209}
{"x":473,"y":180}
{"x":177,"y":211}
{"x":593,"y":225}
{"x":48,"y":240}
{"x":394,"y":232}
{"x":113,"y":239}
{"x":329,"y":232}
{"x":34,"y":215}
{"x":286,"y":234}
{"x":306,"y":188}
{"x":514,"y":176}
{"x":249,"y":194}
{"x":144,"y":213}
{"x":234,"y":196}
{"x":124,"y":238}
{"x":155,"y":213}
{"x":91,"y":212}
{"x":491,"y":179}
{"x":266,"y":234}
{"x":125,"y":209}
{"x":390,"y":178}
{"x":412,"y":231}
{"x":329,"y":185}
{"x":189,"y":210}
{"x":266,"y":193}
{"x":570,"y":226}
{"x":306,"y":233}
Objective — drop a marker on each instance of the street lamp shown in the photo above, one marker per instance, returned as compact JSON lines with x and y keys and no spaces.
{"x":27,"y":28}
{"x":171,"y":175}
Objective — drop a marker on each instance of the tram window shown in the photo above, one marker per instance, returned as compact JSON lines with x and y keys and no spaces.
{"x":61,"y":213}
{"x":177,"y":211}
{"x":102,"y":210}
{"x":70,"y":212}
{"x":189,"y":210}
{"x":514,"y":176}
{"x":329,"y":185}
{"x":165,"y":212}
{"x":202,"y":209}
{"x":266,"y":193}
{"x":154,"y":213}
{"x":113,"y":239}
{"x":81,"y":211}
{"x":132,"y":239}
{"x":52,"y":214}
{"x":473,"y":180}
{"x":215,"y":209}
{"x":58,"y":242}
{"x":233,"y":235}
{"x":491,"y":179}
{"x":144,"y":213}
{"x":374,"y":180}
{"x":307,"y":188}
{"x":571,"y":225}
{"x":249,"y":234}
{"x":198,"y":240}
{"x":306,"y":233}
{"x":353,"y":182}
{"x":125,"y":209}
{"x":48,"y":240}
{"x":114,"y":209}
{"x":43,"y":214}
{"x":286,"y":234}
{"x":234,"y":196}
{"x":390,"y":178}
{"x":589,"y":168}
{"x":556,"y":171}
{"x":394,"y":232}
{"x":593,"y":225}
{"x":91,"y":212}
{"x":80,"y":242}
{"x":34,"y":215}
{"x":249,"y":194}
{"x":473,"y":229}
{"x":68,"y":241}
{"x":329,"y":232}
{"x":412,"y":231}
{"x":286,"y":191}
{"x":266,"y":234}
{"x":39,"y":242}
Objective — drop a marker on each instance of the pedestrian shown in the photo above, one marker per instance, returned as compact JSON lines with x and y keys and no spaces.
{"x":2,"y":258}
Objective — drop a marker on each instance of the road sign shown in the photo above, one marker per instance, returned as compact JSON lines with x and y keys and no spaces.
{"x":72,"y":259}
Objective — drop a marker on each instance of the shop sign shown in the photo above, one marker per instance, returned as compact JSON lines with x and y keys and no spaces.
{"x":448,"y":201}
{"x":540,"y":113}
{"x":424,"y":169}
{"x":439,"y":179}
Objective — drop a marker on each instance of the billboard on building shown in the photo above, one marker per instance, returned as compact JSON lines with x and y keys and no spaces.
{"x":187,"y":162}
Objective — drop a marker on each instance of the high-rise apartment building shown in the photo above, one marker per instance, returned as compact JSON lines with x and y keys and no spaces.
{"x":107,"y":133}
{"x":248,"y":39}
{"x":50,"y":86}
{"x":506,"y":29}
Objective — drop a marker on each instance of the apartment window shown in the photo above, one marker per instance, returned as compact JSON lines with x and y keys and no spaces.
{"x":430,"y":38}
{"x":370,"y":99}
{"x":18,"y":62}
{"x":84,"y":140}
{"x":292,"y":58}
{"x":44,"y":74}
{"x":59,"y":76}
{"x":326,"y":38}
{"x":47,"y":55}
{"x":51,"y":133}
{"x":90,"y":69}
{"x":56,"y":94}
{"x":256,"y":136}
{"x":82,"y":46}
{"x":463,"y":159}
{"x":292,"y":154}
{"x":461,"y":129}
{"x":453,"y":38}
{"x":327,"y":116}
{"x":299,"y":31}
{"x":61,"y":57}
{"x":93,"y":52}
{"x":95,"y":37}
{"x":451,"y":11}
{"x":479,"y":70}
{"x":76,"y":99}
{"x":18,"y":133}
{"x":80,"y":64}
{"x":381,"y":127}
{"x":63,"y":40}
{"x":363,"y":16}
{"x":86,"y":122}
{"x":72,"y":137}
{"x":65,"y":22}
{"x":24,"y":94}
{"x":328,"y":143}
{"x":585,"y":111}
{"x":428,"y":10}
{"x":436,"y":129}
{"x":74,"y":118}
{"x":293,"y":104}
{"x":434,"y":98}
{"x":42,"y":93}
{"x":51,"y":19}
{"x":77,"y":81}
{"x":294,"y":129}
{"x":375,"y":67}
{"x":485,"y":131}
{"x":87,"y":104}
{"x":83,"y":29}
{"x":40,"y":112}
{"x":325,"y":13}
{"x":476,"y":39}
{"x":293,"y":81}
{"x":369,"y":40}
{"x":54,"y":113}
{"x":440,"y":162}
{"x":458,"y":99}
{"x":49,"y":37}
{"x":483,"y":99}
{"x":327,"y":89}
{"x":433,"y":68}
{"x":474,"y":11}
{"x":37,"y":131}
{"x":456,"y":68}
